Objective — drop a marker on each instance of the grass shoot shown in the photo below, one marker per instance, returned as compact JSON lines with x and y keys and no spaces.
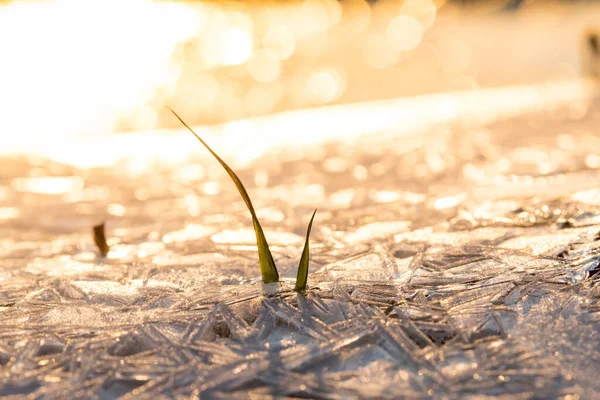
{"x":302,"y":276}
{"x":268,"y":269}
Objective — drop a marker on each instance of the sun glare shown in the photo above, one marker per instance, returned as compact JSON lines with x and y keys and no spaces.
{"x":71,"y":67}
{"x":74,"y":69}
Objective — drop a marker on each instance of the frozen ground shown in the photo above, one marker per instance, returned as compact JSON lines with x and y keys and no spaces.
{"x":455,"y":261}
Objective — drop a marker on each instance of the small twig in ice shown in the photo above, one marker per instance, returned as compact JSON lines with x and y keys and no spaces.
{"x":100,"y":240}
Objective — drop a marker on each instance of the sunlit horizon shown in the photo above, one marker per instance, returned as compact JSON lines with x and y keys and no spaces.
{"x":110,"y":66}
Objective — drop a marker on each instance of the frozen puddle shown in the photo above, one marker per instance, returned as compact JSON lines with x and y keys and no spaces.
{"x":459,"y":262}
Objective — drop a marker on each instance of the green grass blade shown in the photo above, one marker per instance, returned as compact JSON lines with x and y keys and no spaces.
{"x":100,"y":240}
{"x":302,"y":277}
{"x":268,"y":269}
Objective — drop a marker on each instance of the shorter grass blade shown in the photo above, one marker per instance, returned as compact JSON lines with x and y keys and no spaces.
{"x":268,"y":269}
{"x":302,"y":277}
{"x":100,"y":240}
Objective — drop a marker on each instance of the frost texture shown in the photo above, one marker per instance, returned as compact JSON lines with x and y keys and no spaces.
{"x":465,"y":267}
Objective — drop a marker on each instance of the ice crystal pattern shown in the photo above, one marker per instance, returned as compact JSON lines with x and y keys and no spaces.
{"x":453,"y":263}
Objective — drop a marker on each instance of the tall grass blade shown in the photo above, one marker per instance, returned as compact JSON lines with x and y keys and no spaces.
{"x":302,"y":276}
{"x":100,"y":240}
{"x":268,"y":269}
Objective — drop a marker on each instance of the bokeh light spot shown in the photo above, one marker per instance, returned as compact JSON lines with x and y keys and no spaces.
{"x":404,"y":33}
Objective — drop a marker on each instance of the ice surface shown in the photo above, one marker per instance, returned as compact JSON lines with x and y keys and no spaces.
{"x":467,"y":273}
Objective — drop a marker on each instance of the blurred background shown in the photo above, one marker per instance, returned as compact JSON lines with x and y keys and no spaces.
{"x":70,"y":67}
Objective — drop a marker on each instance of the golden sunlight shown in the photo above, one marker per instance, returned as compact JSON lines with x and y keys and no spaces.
{"x":447,"y":152}
{"x":72,"y":67}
